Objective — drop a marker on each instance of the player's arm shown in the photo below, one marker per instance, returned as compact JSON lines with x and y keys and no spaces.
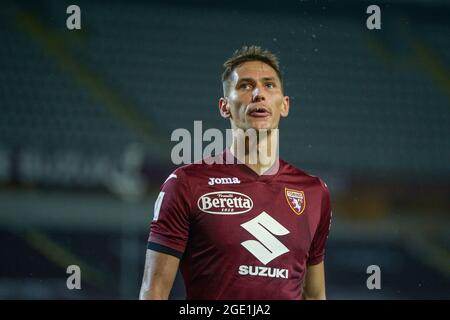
{"x":169,"y":233}
{"x":314,"y":286}
{"x":159,"y":274}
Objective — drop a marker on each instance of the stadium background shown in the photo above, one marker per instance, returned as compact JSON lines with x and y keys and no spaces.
{"x":86,"y":118}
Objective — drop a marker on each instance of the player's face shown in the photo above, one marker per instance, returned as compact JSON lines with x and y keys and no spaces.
{"x":255,"y":97}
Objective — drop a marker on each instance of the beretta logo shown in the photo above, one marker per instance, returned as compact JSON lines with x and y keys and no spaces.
{"x":225,"y":202}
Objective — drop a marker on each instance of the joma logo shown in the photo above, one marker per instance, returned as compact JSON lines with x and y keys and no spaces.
{"x":213,"y":181}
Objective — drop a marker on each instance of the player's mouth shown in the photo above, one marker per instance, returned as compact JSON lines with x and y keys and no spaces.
{"x":259,"y":112}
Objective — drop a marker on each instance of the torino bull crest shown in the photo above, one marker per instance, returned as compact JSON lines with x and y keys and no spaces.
{"x":296,"y":200}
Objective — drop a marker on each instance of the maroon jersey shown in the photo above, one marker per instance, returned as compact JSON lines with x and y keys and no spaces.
{"x":240,"y":235}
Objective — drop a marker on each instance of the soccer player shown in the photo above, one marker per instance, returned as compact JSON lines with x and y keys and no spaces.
{"x":249,"y":229}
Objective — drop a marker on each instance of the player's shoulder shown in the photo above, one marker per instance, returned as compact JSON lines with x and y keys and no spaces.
{"x":302,"y":176}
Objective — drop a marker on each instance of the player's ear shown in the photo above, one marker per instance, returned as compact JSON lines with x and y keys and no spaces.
{"x":224,"y":108}
{"x":285,"y":107}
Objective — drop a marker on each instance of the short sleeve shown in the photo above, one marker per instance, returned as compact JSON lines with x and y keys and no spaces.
{"x":169,"y":230}
{"x":317,"y":249}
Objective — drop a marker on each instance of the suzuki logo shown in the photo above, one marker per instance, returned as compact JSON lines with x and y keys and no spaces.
{"x":263,"y":228}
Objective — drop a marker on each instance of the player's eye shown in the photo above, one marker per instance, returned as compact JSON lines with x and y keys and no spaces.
{"x":270,"y":85}
{"x":246,"y":86}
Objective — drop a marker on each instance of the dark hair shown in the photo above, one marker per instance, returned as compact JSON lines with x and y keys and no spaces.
{"x":251,"y":53}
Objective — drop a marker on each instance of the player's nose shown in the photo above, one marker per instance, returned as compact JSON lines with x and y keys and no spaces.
{"x":257,"y":95}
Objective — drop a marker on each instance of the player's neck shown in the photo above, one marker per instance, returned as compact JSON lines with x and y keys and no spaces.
{"x":259,"y":153}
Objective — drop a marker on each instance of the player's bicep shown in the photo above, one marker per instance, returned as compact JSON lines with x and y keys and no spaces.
{"x":314,"y":286}
{"x":317,"y":248}
{"x":159,"y":274}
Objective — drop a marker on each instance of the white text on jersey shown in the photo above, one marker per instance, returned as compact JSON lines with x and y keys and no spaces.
{"x":263,"y":272}
{"x":213,"y":181}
